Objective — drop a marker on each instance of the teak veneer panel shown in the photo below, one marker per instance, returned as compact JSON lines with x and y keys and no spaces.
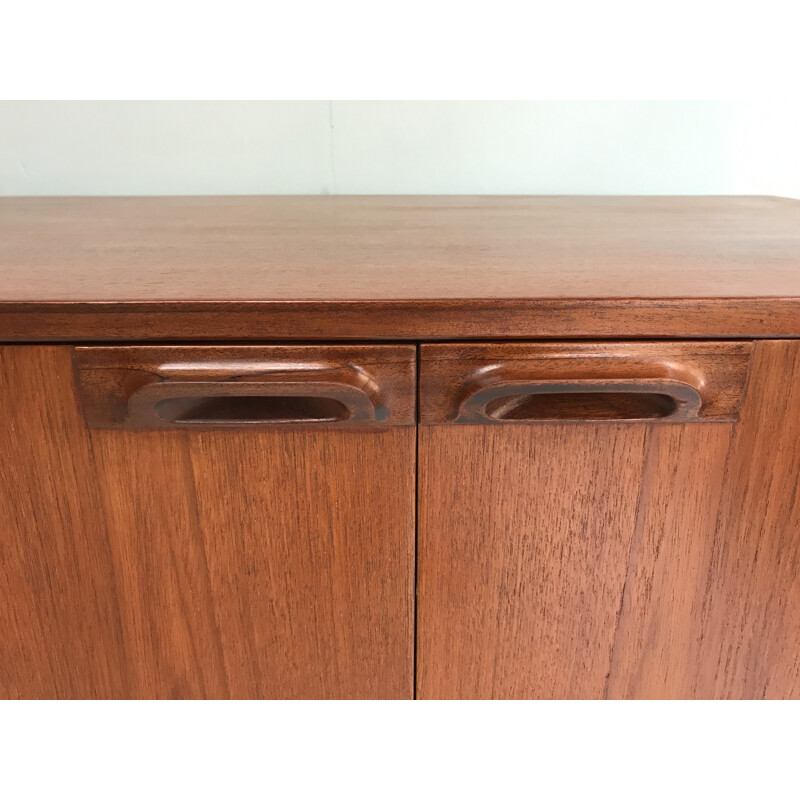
{"x":618,"y":560}
{"x":415,"y":268}
{"x":209,"y":564}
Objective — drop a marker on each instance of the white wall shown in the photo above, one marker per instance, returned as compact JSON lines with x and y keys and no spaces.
{"x":320,"y":147}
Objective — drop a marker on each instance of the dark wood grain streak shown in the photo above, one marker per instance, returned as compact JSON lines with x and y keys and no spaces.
{"x":620,"y":561}
{"x":144,"y":564}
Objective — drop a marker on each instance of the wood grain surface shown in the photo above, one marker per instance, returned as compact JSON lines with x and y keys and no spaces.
{"x":616,"y":560}
{"x":417,"y":268}
{"x":161,"y":564}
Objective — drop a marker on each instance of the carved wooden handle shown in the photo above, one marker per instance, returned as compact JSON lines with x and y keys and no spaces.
{"x":615,"y":382}
{"x":181,"y":387}
{"x":581,"y":399}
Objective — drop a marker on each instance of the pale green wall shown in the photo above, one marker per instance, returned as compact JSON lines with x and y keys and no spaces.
{"x":492,"y":147}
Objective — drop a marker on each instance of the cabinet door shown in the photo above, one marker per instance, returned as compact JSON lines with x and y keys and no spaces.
{"x":609,"y":520}
{"x":207,"y":522}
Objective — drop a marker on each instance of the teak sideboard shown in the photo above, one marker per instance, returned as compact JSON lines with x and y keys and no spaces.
{"x":397,"y":447}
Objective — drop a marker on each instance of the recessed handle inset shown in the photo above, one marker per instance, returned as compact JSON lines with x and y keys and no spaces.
{"x":247,"y":386}
{"x":608,"y":382}
{"x":251,"y":409}
{"x":568,"y":404}
{"x":584,"y":400}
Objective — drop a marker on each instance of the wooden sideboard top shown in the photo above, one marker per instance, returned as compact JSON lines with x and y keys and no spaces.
{"x":305,"y":268}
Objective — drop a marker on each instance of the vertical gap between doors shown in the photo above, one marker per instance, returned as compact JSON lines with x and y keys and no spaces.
{"x":416,"y":535}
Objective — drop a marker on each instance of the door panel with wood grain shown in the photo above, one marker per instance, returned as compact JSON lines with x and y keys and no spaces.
{"x":609,"y":557}
{"x":219,"y":559}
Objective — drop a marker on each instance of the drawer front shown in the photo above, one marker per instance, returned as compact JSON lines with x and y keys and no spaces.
{"x":207,"y":548}
{"x":609,"y":547}
{"x":195,"y":387}
{"x":583,"y":382}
